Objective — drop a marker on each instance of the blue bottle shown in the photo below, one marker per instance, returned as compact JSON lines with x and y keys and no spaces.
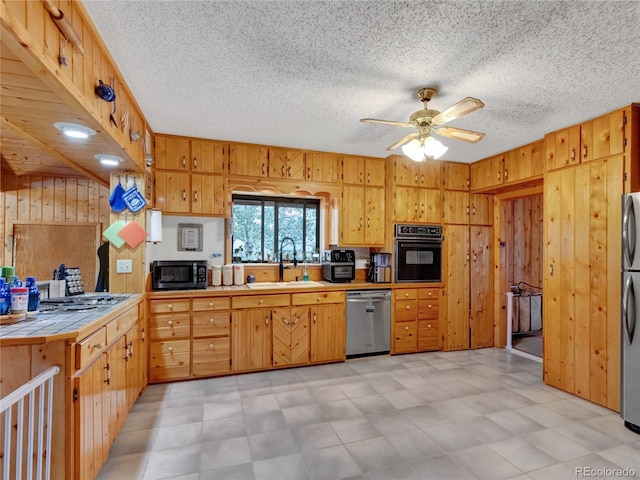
{"x":34,"y":295}
{"x":5,"y":297}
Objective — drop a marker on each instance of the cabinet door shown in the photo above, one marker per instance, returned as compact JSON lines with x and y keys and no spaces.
{"x":481,"y":287}
{"x":455,"y":176}
{"x":429,"y":205}
{"x":290,"y":336}
{"x":374,"y":198}
{"x":136,"y":365}
{"x":456,"y":207}
{"x":208,"y":156}
{"x":353,"y":170}
{"x":375,"y":172}
{"x":567,"y":147}
{"x":173,"y":192}
{"x":403,"y":171}
{"x":427,"y":174}
{"x":207,"y":194}
{"x":328,"y":333}
{"x":352,"y":223}
{"x":407,"y":204}
{"x":248,"y":160}
{"x":251,"y":339}
{"x":455,"y":322}
{"x":172,"y":153}
{"x":481,"y":209}
{"x":295,"y":165}
{"x":486,"y":173}
{"x":91,"y":415}
{"x":286,"y":164}
{"x":323,"y":167}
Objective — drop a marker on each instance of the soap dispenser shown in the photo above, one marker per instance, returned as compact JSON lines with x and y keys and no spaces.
{"x":305,"y":273}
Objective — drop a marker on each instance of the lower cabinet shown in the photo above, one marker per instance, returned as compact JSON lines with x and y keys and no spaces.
{"x":416,"y":320}
{"x":251,"y":339}
{"x":290,"y":333}
{"x":110,"y":377}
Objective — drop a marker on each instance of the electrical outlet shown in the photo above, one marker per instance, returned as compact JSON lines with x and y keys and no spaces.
{"x":124,"y":266}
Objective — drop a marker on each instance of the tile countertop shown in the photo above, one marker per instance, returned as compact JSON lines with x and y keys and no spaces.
{"x":45,"y":327}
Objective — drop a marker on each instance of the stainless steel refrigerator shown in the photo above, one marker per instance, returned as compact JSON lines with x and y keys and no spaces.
{"x":630,"y":341}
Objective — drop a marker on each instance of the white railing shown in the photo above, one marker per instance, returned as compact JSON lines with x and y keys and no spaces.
{"x":38,"y":390}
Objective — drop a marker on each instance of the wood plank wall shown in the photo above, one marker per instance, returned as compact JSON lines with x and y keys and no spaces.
{"x":524,"y":250}
{"x":44,"y":199}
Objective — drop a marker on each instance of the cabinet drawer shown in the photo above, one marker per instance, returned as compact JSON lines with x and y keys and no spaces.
{"x":213,"y":303}
{"x":169,"y":306}
{"x":404,"y":337}
{"x":427,"y":336}
{"x":406,"y":310}
{"x":211,"y":356}
{"x":428,"y":309}
{"x":169,"y":326}
{"x":211,"y":324}
{"x":429,"y":293}
{"x":311,"y":298}
{"x":90,"y":347}
{"x":165,"y":356}
{"x":118,"y":327}
{"x":258,"y":301}
{"x":405,"y":294}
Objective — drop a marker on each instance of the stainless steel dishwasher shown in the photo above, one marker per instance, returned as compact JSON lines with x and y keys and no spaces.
{"x":368,"y":322}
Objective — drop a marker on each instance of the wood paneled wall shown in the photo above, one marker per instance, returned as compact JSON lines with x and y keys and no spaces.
{"x":524,"y":241}
{"x":44,"y":199}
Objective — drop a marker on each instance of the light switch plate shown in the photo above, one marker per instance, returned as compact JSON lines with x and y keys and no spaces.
{"x":124,"y":266}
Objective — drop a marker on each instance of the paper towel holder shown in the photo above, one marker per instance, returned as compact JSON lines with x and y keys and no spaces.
{"x":154,"y":225}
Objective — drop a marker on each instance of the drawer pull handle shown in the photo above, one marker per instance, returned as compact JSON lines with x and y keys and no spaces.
{"x":429,"y":325}
{"x":406,"y":294}
{"x":211,"y":320}
{"x":429,"y":306}
{"x":170,"y":349}
{"x":211,"y":304}
{"x":408,"y":307}
{"x":98,"y":345}
{"x":406,"y":328}
{"x":170,"y":322}
{"x":261,"y":301}
{"x":211,"y":345}
{"x":170,"y":306}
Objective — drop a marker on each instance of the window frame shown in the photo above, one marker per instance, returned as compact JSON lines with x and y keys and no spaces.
{"x":278,"y":202}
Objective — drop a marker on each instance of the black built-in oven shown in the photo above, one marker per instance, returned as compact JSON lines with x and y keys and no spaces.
{"x":418,"y":253}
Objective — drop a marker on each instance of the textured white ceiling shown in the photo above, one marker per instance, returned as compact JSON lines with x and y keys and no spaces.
{"x":302,"y":73}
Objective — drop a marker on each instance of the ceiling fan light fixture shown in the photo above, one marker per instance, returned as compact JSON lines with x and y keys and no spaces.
{"x":74,"y":130}
{"x":421,"y":150}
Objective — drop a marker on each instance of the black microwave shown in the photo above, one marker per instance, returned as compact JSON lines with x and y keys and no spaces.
{"x":178,"y":274}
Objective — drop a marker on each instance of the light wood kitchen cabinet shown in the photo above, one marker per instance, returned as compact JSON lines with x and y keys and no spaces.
{"x":417,"y":205}
{"x":455,"y":319}
{"x":323,"y":167}
{"x":251,"y":339}
{"x":286,"y":164}
{"x":290,"y":333}
{"x":210,"y":344}
{"x":169,"y":360}
{"x":456,"y":176}
{"x":591,"y":140}
{"x":415,"y":320}
{"x":327,"y":324}
{"x":481,"y":305}
{"x":487,"y":172}
{"x":109,"y":380}
{"x":172,"y":153}
{"x":170,"y":333}
{"x":178,"y":192}
{"x":581,"y":280}
{"x":524,"y":163}
{"x":363,"y":215}
{"x":407,"y":172}
{"x":209,"y":156}
{"x":363,"y":171}
{"x":248,"y":160}
{"x":464,"y":208}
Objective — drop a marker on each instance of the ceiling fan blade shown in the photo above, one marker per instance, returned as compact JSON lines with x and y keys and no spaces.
{"x":387,"y":122}
{"x":403,"y":140}
{"x":463,"y":107}
{"x":460,"y":134}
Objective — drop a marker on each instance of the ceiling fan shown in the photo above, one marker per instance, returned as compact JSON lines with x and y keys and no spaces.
{"x":421,"y":145}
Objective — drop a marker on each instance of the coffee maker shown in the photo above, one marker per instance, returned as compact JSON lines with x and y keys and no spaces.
{"x":380,"y":268}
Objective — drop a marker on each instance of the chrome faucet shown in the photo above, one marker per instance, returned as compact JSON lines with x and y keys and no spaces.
{"x":281,"y":266}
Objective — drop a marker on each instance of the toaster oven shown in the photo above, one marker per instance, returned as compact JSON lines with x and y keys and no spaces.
{"x":338,"y":266}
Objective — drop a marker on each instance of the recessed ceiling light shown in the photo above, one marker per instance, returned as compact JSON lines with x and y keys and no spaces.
{"x":109,"y":160}
{"x":74,"y":130}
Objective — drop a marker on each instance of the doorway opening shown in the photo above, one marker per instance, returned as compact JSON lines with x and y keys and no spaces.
{"x":520,"y":273}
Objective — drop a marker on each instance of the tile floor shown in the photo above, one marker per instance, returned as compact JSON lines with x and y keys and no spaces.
{"x":482,"y":414}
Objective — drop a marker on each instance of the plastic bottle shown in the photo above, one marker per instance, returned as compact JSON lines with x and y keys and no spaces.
{"x":34,"y":295}
{"x":19,"y":299}
{"x":238,"y":274}
{"x":227,"y":274}
{"x":216,"y":275}
{"x":5,"y":297}
{"x":305,"y":274}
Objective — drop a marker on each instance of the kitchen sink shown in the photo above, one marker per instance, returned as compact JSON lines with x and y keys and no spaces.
{"x":298,"y":284}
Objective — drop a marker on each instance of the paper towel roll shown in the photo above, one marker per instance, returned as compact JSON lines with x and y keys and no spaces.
{"x":154,"y":225}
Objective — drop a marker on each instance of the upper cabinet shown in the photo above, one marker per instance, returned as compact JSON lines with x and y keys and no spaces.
{"x":191,"y":155}
{"x":598,"y":138}
{"x":248,"y":159}
{"x":456,"y":176}
{"x":323,"y":167}
{"x":286,"y":164}
{"x":363,"y":171}
{"x":514,"y":167}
